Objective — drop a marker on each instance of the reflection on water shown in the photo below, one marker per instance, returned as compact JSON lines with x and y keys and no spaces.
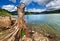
{"x":53,"y":19}
{"x":35,"y":18}
{"x":49,"y":22}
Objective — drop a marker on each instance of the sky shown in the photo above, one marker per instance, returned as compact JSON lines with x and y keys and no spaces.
{"x":31,"y":5}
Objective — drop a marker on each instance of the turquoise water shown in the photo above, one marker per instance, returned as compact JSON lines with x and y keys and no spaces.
{"x":35,"y":18}
{"x":51,"y":21}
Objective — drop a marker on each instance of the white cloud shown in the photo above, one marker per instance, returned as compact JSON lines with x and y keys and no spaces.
{"x":53,"y":5}
{"x":40,"y":2}
{"x":50,"y":4}
{"x":14,"y":1}
{"x":26,"y":2}
{"x":9,"y":7}
{"x":35,"y":10}
{"x":14,"y":8}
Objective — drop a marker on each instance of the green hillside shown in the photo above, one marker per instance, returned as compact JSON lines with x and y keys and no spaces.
{"x":44,"y":12}
{"x":4,"y":12}
{"x":51,"y":12}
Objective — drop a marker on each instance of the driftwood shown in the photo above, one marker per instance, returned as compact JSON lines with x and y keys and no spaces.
{"x":5,"y":21}
{"x":19,"y":25}
{"x":21,"y":22}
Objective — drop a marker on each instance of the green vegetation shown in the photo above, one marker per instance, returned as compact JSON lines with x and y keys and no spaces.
{"x":2,"y":34}
{"x":51,"y":12}
{"x":28,"y":13}
{"x":4,"y":12}
{"x":22,"y":32}
{"x":44,"y":12}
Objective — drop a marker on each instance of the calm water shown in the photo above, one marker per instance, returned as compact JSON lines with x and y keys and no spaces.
{"x":52,"y":20}
{"x":50,"y":23}
{"x":44,"y":18}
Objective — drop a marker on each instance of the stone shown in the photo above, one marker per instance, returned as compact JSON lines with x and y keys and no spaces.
{"x":24,"y":38}
{"x":39,"y":37}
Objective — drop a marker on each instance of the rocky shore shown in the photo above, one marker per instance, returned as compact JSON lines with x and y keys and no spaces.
{"x":7,"y":21}
{"x":35,"y":37}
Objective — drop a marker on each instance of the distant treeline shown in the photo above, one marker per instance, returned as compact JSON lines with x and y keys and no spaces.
{"x":44,"y":12}
{"x":4,"y":12}
{"x":51,"y":12}
{"x":26,"y":13}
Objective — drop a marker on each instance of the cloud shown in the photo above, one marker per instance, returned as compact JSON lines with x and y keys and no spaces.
{"x":53,"y":5}
{"x":14,"y":8}
{"x":9,"y":7}
{"x":35,"y":10}
{"x":26,"y":2}
{"x":40,"y":2}
{"x":50,"y":4}
{"x":14,"y":1}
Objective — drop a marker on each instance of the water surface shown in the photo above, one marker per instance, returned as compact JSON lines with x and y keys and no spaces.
{"x":50,"y":21}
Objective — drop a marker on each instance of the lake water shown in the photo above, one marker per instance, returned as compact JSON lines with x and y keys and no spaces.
{"x":50,"y":21}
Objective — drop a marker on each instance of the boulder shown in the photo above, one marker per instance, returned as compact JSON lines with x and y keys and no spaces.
{"x":24,"y":38}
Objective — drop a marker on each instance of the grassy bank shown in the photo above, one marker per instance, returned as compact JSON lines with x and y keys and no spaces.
{"x":4,"y":12}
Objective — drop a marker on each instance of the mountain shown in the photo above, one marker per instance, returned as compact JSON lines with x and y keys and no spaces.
{"x":4,"y":12}
{"x":26,"y":13}
{"x":7,"y":13}
{"x":44,"y":12}
{"x":14,"y":13}
{"x":51,"y":12}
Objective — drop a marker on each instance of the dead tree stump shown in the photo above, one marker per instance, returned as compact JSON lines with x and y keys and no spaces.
{"x":21,"y":22}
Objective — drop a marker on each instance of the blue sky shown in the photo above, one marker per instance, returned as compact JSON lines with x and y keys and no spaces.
{"x":31,"y":5}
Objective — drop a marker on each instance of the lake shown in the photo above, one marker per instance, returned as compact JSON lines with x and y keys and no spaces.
{"x":50,"y":23}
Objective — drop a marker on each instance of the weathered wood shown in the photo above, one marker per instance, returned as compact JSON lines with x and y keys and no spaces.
{"x":11,"y":35}
{"x":5,"y":21}
{"x":19,"y":25}
{"x":21,"y":21}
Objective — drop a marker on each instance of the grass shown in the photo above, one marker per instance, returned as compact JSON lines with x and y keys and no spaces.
{"x":4,"y":12}
{"x":2,"y":34}
{"x":22,"y":32}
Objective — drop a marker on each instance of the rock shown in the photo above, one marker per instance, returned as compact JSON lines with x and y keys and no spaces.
{"x":39,"y":37}
{"x":24,"y":38}
{"x":35,"y":37}
{"x":51,"y":36}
